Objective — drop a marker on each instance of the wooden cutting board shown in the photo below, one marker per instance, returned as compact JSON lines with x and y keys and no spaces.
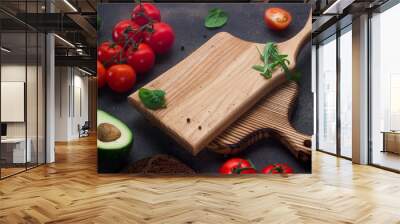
{"x":269,"y":118}
{"x":211,"y":88}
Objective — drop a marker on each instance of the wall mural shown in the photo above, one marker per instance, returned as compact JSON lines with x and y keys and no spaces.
{"x":204,"y":88}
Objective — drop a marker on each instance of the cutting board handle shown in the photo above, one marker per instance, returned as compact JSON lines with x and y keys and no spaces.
{"x":301,"y":37}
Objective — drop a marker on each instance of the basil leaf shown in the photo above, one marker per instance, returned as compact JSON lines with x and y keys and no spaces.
{"x":152,"y":99}
{"x":216,"y":18}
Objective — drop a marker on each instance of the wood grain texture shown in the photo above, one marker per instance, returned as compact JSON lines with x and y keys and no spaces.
{"x":70,"y":191}
{"x":211,"y":88}
{"x":270,"y":117}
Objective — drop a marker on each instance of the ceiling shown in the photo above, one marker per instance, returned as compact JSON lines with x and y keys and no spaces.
{"x":72,"y":20}
{"x":76,"y":21}
{"x":17,"y":42}
{"x":39,"y":6}
{"x":63,"y":20}
{"x":332,"y":15}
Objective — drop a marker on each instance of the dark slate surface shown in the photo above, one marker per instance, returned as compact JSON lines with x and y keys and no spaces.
{"x":246,"y":22}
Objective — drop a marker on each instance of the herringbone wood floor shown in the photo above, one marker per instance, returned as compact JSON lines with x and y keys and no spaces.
{"x":70,"y":191}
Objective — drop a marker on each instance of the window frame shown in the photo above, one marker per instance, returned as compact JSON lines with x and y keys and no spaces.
{"x":337,"y":34}
{"x":381,"y":9}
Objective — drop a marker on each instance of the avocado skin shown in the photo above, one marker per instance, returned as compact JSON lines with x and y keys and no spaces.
{"x":112,"y":161}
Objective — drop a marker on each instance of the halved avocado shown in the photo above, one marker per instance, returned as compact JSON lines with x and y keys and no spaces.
{"x":114,"y":141}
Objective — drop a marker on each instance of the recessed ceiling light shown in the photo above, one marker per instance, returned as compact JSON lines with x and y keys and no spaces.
{"x":65,"y":41}
{"x":5,"y":50}
{"x":84,"y":71}
{"x":70,"y":5}
{"x":338,"y":6}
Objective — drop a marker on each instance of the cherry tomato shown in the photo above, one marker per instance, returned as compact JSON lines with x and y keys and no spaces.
{"x":121,"y":78}
{"x":141,"y":59}
{"x":277,"y":168}
{"x":161,"y":39}
{"x":126,"y":30}
{"x":277,"y":18}
{"x":101,"y":75}
{"x":237,"y":166}
{"x":145,"y":11}
{"x":109,"y":53}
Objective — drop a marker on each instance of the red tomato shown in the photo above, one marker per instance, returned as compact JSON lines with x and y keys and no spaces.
{"x":277,"y":168}
{"x":101,"y":75}
{"x":141,"y":59}
{"x":145,"y":11}
{"x":161,"y":39}
{"x":126,"y":30}
{"x":109,"y":53}
{"x":121,"y":78}
{"x":237,"y":166}
{"x":277,"y":18}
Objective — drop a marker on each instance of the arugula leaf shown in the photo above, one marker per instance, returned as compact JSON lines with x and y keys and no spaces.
{"x":152,"y":99}
{"x":295,"y":76}
{"x":272,"y":60}
{"x":216,"y":18}
{"x":259,"y":68}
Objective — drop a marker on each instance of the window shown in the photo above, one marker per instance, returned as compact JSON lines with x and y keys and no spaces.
{"x":334,"y":106}
{"x":327,"y":96}
{"x":346,"y":92}
{"x":385,"y":89}
{"x":22,"y":76}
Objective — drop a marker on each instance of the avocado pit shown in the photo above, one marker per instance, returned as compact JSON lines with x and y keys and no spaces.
{"x":108,"y":132}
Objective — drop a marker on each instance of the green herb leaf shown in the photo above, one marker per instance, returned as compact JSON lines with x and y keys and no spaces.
{"x":267,"y":74}
{"x":272,"y":60}
{"x":216,"y":18}
{"x":295,"y":76}
{"x":152,"y":99}
{"x":259,"y":68}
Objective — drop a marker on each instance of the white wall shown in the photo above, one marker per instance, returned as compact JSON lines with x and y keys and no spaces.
{"x":16,"y":73}
{"x":12,"y":73}
{"x":9,"y":73}
{"x":61,"y":104}
{"x":70,"y":83}
{"x":80,"y":84}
